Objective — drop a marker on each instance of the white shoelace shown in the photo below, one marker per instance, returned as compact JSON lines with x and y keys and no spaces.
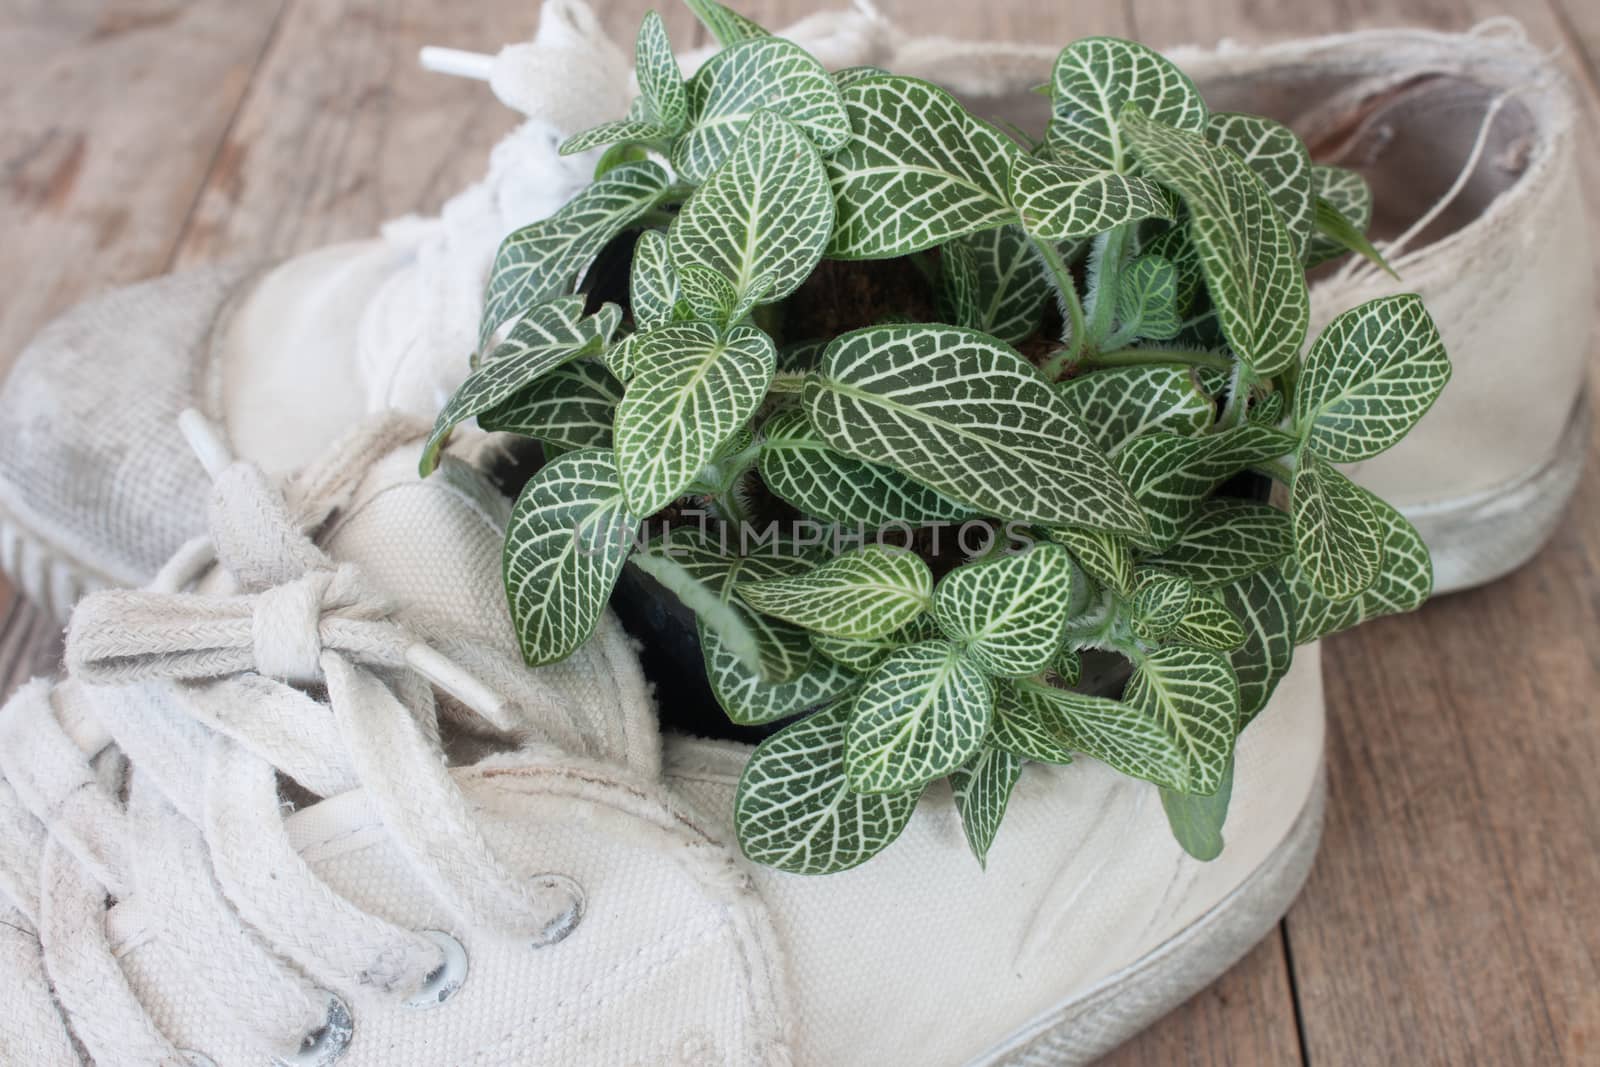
{"x":153,"y":772}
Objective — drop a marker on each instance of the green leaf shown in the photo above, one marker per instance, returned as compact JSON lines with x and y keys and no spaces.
{"x":619,"y":358}
{"x":1196,"y":821}
{"x":958,"y":286}
{"x":1103,"y":557}
{"x":850,"y":75}
{"x":1160,"y":602}
{"x":919,"y":715}
{"x":828,"y":485}
{"x":729,"y":623}
{"x":861,"y":655}
{"x":1147,"y":299}
{"x":1170,"y":475}
{"x":1120,"y":404}
{"x":756,"y":74}
{"x":617,"y":132}
{"x":1340,"y":231}
{"x":1404,"y":581}
{"x":964,"y":414}
{"x":1344,"y":194}
{"x":1069,"y":201}
{"x":1337,"y":538}
{"x":1280,"y":160}
{"x":1369,"y":377}
{"x":1095,"y":79}
{"x":981,"y":789}
{"x":653,"y":285}
{"x":1120,"y":735}
{"x":1008,"y":613}
{"x":544,"y":259}
{"x":1027,"y":726}
{"x":1193,"y":694}
{"x":1252,"y":267}
{"x":570,"y":533}
{"x":691,"y":389}
{"x":1207,"y":623}
{"x":553,"y":333}
{"x":916,"y":171}
{"x":1068,"y":666}
{"x":750,"y":700}
{"x":795,"y":810}
{"x":711,"y":297}
{"x":1264,"y":604}
{"x":861,"y":594}
{"x":660,"y":80}
{"x":726,"y":25}
{"x":572,"y":407}
{"x":1174,"y":246}
{"x":1229,"y":540}
{"x":762,"y":217}
{"x":1013,"y":285}
{"x":1267,"y":410}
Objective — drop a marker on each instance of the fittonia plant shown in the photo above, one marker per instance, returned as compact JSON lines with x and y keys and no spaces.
{"x":1150,"y":258}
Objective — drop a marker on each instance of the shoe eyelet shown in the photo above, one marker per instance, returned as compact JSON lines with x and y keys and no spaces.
{"x":446,"y":979}
{"x":567,"y":919}
{"x":325,"y":1044}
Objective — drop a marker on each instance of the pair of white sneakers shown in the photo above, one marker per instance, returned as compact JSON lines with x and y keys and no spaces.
{"x":299,"y":801}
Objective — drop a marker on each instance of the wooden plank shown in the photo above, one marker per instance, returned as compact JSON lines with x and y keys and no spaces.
{"x":111,"y":112}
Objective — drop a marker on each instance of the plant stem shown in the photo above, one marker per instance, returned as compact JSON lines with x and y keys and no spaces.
{"x":1138,"y":357}
{"x":1105,"y":277}
{"x":1277,"y":469}
{"x":1238,"y":397}
{"x":1071,"y":307}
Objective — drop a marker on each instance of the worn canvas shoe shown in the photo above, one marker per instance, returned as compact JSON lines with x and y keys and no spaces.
{"x":95,"y":491}
{"x":304,"y":806}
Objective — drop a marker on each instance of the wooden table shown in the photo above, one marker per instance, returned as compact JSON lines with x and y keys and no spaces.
{"x":1454,"y":913}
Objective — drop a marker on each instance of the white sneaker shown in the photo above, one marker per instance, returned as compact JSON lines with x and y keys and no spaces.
{"x":94,"y":490}
{"x":246,"y":830}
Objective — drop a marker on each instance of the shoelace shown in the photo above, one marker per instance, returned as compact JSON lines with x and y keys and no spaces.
{"x":153,"y":771}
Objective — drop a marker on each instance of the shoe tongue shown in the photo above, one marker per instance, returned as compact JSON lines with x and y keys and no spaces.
{"x":433,"y":548}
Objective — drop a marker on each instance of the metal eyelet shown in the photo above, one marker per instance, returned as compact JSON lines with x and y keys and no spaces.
{"x":568,"y":918}
{"x":327,"y":1043}
{"x":443,"y":982}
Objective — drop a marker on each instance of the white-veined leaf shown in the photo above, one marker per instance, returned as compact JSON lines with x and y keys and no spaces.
{"x":653,"y":285}
{"x":616,"y":132}
{"x":1095,"y":79}
{"x":709,"y":295}
{"x":1208,"y":623}
{"x":1119,"y":404}
{"x":552,"y":333}
{"x":750,"y":700}
{"x":1160,"y":602}
{"x":981,"y":790}
{"x":1338,"y":542}
{"x":1264,"y":604}
{"x":1404,"y":581}
{"x":1068,"y":666}
{"x":1347,"y":193}
{"x":966,"y":415}
{"x":1279,"y":158}
{"x":691,"y":390}
{"x":729,"y":623}
{"x":1252,"y":267}
{"x":726,"y":25}
{"x":1122,"y":736}
{"x":660,"y":80}
{"x":1106,"y":558}
{"x":1014,"y":285}
{"x":571,"y":407}
{"x":865,"y":593}
{"x":958,"y":286}
{"x":795,"y":810}
{"x":1229,"y":540}
{"x":1197,"y":821}
{"x":569,"y":535}
{"x":919,"y":715}
{"x":1008,"y":613}
{"x":861,"y":655}
{"x":1062,"y":201}
{"x":545,"y":259}
{"x":1193,"y":694}
{"x":828,"y":485}
{"x":1170,"y":475}
{"x":1369,"y":377}
{"x":1147,"y":300}
{"x":916,"y":171}
{"x":756,"y":74}
{"x":764,"y":215}
{"x":1266,"y":410}
{"x":1174,"y":246}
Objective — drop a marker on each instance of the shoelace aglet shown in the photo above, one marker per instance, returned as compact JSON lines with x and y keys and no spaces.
{"x":205,"y":440}
{"x":458,"y":683}
{"x":456,"y":62}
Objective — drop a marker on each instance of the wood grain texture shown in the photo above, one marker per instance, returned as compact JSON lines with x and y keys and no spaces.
{"x":1454,"y":913}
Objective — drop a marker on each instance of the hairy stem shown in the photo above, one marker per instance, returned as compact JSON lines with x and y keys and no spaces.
{"x":1072,"y":309}
{"x":1105,"y":278}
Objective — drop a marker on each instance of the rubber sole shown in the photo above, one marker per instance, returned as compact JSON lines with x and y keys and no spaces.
{"x":1093,"y":1023}
{"x":1477,"y":539}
